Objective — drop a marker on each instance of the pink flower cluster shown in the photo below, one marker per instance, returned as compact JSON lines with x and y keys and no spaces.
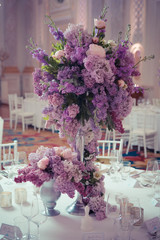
{"x":70,"y":174}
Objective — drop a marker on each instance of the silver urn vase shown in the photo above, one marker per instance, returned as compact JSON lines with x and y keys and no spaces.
{"x":77,"y":207}
{"x":49,"y":198}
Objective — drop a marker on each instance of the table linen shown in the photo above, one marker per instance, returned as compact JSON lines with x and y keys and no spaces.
{"x":68,"y":227}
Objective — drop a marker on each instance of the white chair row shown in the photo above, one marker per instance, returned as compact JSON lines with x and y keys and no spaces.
{"x":140,"y":129}
{"x":17,"y":112}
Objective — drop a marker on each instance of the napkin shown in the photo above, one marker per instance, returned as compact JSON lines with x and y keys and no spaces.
{"x":86,"y":221}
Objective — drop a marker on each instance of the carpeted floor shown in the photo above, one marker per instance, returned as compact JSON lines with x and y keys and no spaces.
{"x":30,"y":140}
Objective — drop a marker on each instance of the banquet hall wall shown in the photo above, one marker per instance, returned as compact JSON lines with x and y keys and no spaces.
{"x":25,"y":18}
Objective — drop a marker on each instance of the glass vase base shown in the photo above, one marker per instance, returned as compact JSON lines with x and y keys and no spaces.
{"x":76,"y":208}
{"x":51,"y":212}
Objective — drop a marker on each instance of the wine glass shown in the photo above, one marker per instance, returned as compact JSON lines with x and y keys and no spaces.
{"x":115,"y":162}
{"x":39,"y":219}
{"x":29,"y":210}
{"x":157,"y":191}
{"x":122,"y":201}
{"x":125,"y":170}
{"x":8,"y":165}
{"x":152,"y":167}
{"x":135,"y":211}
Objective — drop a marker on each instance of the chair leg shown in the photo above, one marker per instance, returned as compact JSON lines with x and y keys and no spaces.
{"x":114,"y":135}
{"x":144,"y":144}
{"x":106,"y":135}
{"x":23,"y":125}
{"x":16,"y":119}
{"x":10,"y":121}
{"x":155,"y":144}
{"x":129,"y":143}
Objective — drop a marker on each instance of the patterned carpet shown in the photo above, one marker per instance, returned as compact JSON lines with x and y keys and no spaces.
{"x":30,"y":140}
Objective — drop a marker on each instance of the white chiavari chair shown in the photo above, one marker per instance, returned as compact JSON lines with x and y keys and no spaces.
{"x":8,"y":154}
{"x":25,"y":117}
{"x":143,"y":130}
{"x":107,"y":147}
{"x":12,"y":110}
{"x":29,"y":95}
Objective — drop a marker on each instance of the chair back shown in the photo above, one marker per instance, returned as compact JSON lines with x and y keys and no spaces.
{"x":107,"y":147}
{"x":8,"y":153}
{"x":11,"y":100}
{"x":19,"y":104}
{"x":137,"y":120}
{"x":29,"y":95}
{"x":1,"y":129}
{"x":142,"y":120}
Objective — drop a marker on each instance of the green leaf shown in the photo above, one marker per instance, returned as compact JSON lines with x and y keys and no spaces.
{"x":46,"y":118}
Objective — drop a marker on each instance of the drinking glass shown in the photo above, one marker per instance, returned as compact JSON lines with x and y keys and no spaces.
{"x":20,"y":227}
{"x":125,"y":170}
{"x":39,"y":218}
{"x":152,"y":167}
{"x":157,"y":191}
{"x":116,"y":164}
{"x":9,"y":167}
{"x":135,"y":211}
{"x":30,"y":209}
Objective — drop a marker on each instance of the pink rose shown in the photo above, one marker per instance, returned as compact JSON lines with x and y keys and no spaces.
{"x":58,"y":150}
{"x":95,"y":39}
{"x":67,"y":153}
{"x":94,"y":49}
{"x":43,"y":163}
{"x":73,"y":110}
{"x":99,"y":23}
{"x":59,"y":54}
{"x":122,"y":84}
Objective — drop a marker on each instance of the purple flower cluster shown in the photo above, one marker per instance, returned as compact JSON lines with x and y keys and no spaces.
{"x":48,"y":163}
{"x":58,"y":34}
{"x":138,"y":89}
{"x":88,"y":84}
{"x":70,"y":174}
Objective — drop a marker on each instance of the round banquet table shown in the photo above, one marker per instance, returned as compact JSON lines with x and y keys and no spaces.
{"x":67,"y":227}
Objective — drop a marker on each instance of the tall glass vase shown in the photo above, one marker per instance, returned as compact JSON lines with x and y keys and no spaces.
{"x":77,"y":207}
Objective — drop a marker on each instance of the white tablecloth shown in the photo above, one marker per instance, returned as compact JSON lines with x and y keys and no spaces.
{"x":66,"y":226}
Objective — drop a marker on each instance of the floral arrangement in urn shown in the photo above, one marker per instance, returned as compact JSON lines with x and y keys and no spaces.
{"x":87,"y":83}
{"x":70,"y":174}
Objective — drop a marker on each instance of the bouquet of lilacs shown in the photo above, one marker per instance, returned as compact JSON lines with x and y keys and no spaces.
{"x":70,"y":174}
{"x":87,"y":83}
{"x":85,"y":80}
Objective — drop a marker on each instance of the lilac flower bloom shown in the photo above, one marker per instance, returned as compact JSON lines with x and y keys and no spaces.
{"x":58,"y":34}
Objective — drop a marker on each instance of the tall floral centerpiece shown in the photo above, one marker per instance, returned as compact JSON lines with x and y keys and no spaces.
{"x":87,"y":83}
